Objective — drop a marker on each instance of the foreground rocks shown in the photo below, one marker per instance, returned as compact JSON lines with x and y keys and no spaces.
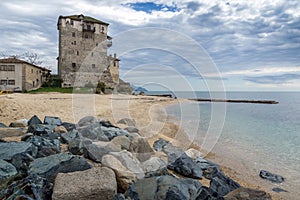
{"x":96,"y":183}
{"x":97,"y":160}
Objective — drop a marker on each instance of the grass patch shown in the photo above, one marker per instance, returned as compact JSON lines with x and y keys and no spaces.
{"x":82,"y":90}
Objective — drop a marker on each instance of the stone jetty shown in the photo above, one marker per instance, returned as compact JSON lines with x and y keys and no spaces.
{"x":95,"y":159}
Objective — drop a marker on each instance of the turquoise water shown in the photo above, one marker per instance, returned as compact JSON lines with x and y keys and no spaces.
{"x":261,"y":135}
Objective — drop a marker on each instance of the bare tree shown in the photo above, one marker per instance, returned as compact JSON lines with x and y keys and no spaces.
{"x":30,"y":57}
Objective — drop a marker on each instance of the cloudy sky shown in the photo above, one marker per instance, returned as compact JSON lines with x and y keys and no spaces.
{"x":241,"y":45}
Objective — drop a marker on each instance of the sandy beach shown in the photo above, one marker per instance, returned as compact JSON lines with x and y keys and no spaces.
{"x":148,"y":112}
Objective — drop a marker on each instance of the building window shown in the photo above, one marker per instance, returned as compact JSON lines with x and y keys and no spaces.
{"x":74,"y":65}
{"x":102,"y":29}
{"x":92,"y":54}
{"x":33,"y":83}
{"x":3,"y":82}
{"x":77,"y":53}
{"x":74,"y":42}
{"x":93,"y":66}
{"x":7,"y":68}
{"x":96,"y":44}
{"x":115,"y":63}
{"x":31,"y":70}
{"x":73,"y":34}
{"x":11,"y":82}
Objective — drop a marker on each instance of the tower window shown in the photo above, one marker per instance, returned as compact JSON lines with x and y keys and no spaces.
{"x":102,"y":29}
{"x":115,"y":63}
{"x":77,"y":53}
{"x":74,"y":65}
{"x":73,"y":34}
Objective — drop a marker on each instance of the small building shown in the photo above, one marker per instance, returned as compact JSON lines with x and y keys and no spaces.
{"x":19,"y":75}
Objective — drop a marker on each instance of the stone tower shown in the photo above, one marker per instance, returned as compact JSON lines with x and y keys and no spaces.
{"x":83,"y":43}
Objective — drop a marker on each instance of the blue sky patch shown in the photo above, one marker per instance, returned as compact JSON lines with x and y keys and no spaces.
{"x":148,"y":7}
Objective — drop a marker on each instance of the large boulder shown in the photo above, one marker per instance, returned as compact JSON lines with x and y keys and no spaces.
{"x":48,"y":167}
{"x":164,"y":187}
{"x":112,"y":132}
{"x":130,"y":162}
{"x":69,"y":126}
{"x":247,"y":194}
{"x":7,"y":173}
{"x":271,"y":177}
{"x":222,"y":184}
{"x":208,"y":194}
{"x":142,"y":148}
{"x":124,"y":176}
{"x":127,"y":121}
{"x":185,"y":166}
{"x":56,"y":121}
{"x":193,"y":153}
{"x":95,"y":183}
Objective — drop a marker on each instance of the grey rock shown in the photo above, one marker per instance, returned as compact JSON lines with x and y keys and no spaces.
{"x":18,"y":124}
{"x":88,"y":120}
{"x":209,"y":168}
{"x":95,"y":153}
{"x":7,"y":173}
{"x":26,"y":136}
{"x":77,"y":146}
{"x":122,"y":141}
{"x":153,"y":165}
{"x":127,"y":121}
{"x":69,"y":126}
{"x":112,"y":132}
{"x":124,"y":176}
{"x":132,"y":129}
{"x":107,"y":124}
{"x":271,"y":177}
{"x":142,"y":148}
{"x":95,"y":183}
{"x":34,"y":120}
{"x":2,"y":125}
{"x":172,"y":152}
{"x":246,"y":194}
{"x":222,"y":184}
{"x":48,"y":167}
{"x":164,"y":187}
{"x":130,"y":162}
{"x":207,"y":193}
{"x":93,"y":132}
{"x":45,"y":147}
{"x":40,"y":129}
{"x":41,"y":187}
{"x":9,"y":150}
{"x":56,"y":121}
{"x":185,"y":166}
{"x":278,"y":190}
{"x":69,"y":136}
{"x":119,"y":196}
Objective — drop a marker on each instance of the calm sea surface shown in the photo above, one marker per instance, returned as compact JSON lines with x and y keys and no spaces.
{"x":263,"y":136}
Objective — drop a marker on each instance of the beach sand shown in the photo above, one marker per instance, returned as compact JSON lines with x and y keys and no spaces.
{"x":148,"y":112}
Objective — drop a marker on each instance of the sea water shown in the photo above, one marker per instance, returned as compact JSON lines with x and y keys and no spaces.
{"x":262,"y":136}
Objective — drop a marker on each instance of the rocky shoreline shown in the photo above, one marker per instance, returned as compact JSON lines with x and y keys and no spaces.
{"x":95,"y":159}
